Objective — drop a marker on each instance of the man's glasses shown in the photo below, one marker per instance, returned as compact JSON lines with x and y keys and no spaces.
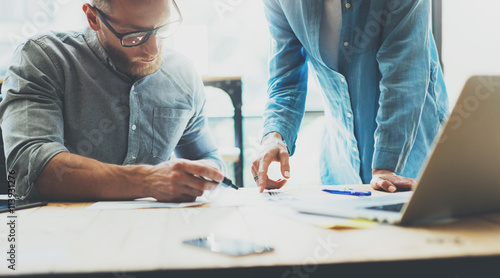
{"x":136,"y":38}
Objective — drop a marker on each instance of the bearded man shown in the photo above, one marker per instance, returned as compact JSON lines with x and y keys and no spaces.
{"x":97,"y":114}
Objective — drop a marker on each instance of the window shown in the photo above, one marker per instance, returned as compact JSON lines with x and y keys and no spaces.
{"x":22,"y":19}
{"x":231,"y":38}
{"x":470,"y":41}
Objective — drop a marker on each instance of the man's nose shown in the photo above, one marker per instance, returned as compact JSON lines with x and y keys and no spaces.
{"x":152,"y":46}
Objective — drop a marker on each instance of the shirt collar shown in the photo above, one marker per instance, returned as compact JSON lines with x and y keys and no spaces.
{"x":96,"y":47}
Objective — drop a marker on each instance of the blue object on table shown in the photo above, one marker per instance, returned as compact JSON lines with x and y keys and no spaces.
{"x":348,"y":192}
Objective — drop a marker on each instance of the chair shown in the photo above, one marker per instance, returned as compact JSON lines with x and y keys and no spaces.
{"x":233,"y":87}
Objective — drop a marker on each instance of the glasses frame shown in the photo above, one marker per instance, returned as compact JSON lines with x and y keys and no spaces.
{"x":120,"y":36}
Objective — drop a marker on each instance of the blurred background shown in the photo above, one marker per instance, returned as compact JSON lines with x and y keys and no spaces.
{"x":229,"y":40}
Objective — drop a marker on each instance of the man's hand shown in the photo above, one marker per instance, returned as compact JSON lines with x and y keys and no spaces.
{"x":182,"y":180}
{"x":77,"y":178}
{"x":272,"y":149}
{"x":390,"y":182}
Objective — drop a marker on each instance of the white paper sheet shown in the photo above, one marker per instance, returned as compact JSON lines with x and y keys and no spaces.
{"x":141,"y":204}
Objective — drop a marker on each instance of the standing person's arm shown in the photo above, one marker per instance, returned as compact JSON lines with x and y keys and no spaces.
{"x":404,"y":62}
{"x":287,"y":93}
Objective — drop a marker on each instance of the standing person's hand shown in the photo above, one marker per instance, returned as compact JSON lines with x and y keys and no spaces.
{"x":390,"y":182}
{"x":182,"y":180}
{"x":272,"y":149}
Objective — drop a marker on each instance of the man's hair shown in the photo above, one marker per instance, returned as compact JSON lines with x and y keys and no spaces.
{"x":104,"y":5}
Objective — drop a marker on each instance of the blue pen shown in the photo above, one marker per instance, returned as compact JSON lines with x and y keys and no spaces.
{"x":348,"y":192}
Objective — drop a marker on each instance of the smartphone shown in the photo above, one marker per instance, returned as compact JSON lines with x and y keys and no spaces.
{"x":228,"y":246}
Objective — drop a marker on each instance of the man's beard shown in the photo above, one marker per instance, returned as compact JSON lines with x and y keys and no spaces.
{"x":130,"y":67}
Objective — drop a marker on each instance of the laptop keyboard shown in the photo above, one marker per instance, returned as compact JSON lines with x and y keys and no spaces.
{"x":393,"y":207}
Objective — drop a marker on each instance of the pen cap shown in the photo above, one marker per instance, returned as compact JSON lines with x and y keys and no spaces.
{"x":227,"y":181}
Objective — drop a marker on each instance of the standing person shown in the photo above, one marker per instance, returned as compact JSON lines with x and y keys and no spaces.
{"x":96,"y":114}
{"x":383,"y":89}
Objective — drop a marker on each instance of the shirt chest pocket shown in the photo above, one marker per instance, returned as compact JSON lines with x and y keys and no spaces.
{"x":168,"y":126}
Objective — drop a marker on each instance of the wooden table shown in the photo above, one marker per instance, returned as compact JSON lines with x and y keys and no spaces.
{"x":68,"y":238}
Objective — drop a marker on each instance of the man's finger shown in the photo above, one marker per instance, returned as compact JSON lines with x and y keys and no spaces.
{"x":406,"y":183}
{"x":254,"y":169}
{"x":185,"y":183}
{"x":262,"y":172}
{"x":400,"y":182}
{"x":285,"y":164}
{"x":202,"y":170}
{"x":178,"y":189}
{"x":384,"y":184}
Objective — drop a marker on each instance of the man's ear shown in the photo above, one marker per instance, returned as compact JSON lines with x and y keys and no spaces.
{"x":91,"y":15}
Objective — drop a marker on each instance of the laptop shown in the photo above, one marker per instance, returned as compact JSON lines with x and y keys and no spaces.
{"x":461,"y":176}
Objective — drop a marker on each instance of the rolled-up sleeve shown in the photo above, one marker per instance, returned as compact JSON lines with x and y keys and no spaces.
{"x":197,"y":141}
{"x":404,"y":63}
{"x":31,"y":116}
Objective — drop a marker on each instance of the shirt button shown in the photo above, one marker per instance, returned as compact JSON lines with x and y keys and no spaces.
{"x":346,"y":43}
{"x":342,"y":79}
{"x":134,"y":127}
{"x":347,"y":5}
{"x":354,"y":149}
{"x":349,"y":115}
{"x":133,"y":157}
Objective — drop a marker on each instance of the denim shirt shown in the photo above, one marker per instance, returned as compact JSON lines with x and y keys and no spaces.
{"x":385,"y":103}
{"x":62,"y":93}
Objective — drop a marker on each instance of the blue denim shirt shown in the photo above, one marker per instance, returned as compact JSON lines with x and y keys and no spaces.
{"x":384,"y":105}
{"x":62,"y":93}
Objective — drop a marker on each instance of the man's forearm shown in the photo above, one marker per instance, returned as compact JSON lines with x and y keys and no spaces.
{"x":73,"y":177}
